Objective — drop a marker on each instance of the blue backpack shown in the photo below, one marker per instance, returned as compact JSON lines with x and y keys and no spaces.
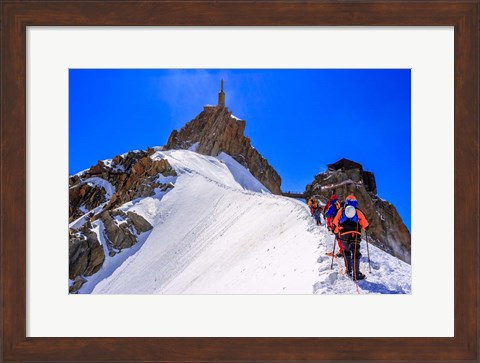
{"x":344,"y":218}
{"x":332,"y":210}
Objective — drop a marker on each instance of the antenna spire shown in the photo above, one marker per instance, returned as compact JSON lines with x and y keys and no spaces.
{"x":221,"y":95}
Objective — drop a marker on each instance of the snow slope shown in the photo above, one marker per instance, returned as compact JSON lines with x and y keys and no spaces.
{"x":219,"y":231}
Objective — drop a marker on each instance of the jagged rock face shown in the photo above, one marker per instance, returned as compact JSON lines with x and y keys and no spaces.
{"x":122,"y":229}
{"x":387,"y":230}
{"x":86,"y":254}
{"x":132,"y":176}
{"x":86,"y":197}
{"x":118,"y":234}
{"x":141,"y":181}
{"x":216,"y":130}
{"x":106,"y":187}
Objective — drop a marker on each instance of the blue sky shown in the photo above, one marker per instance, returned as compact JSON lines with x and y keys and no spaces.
{"x":299,"y":120}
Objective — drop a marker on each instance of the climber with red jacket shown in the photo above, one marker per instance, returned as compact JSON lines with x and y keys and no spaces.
{"x":330,"y":210}
{"x":348,"y":224}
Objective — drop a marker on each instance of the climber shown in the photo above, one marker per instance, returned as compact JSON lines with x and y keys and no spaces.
{"x":312,"y":204}
{"x":348,"y":224}
{"x":317,"y":214}
{"x":329,"y":212}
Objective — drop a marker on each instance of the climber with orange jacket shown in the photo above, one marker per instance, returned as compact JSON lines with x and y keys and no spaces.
{"x":312,"y":204}
{"x":348,"y":224}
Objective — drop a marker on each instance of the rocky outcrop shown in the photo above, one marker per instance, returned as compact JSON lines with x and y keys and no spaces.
{"x":96,"y":194}
{"x":77,"y":284}
{"x":82,"y":197}
{"x":387,"y":230}
{"x":86,"y":254}
{"x":142,"y":181}
{"x":215,"y":130}
{"x":133,"y":175}
{"x":139,"y":223}
{"x":122,"y":229}
{"x":118,"y":234}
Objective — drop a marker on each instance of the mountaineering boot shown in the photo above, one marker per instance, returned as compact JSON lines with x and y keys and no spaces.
{"x":348,"y":264}
{"x":357,"y":275}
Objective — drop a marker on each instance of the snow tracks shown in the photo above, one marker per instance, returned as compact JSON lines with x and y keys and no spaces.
{"x":389,"y":275}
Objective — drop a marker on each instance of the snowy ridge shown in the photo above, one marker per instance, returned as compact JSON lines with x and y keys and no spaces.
{"x":219,"y":231}
{"x":222,"y":169}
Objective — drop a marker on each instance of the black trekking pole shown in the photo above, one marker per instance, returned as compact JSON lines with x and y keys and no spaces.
{"x":368,"y":252}
{"x":333,"y":253}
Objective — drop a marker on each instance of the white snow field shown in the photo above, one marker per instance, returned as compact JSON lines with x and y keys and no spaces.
{"x":219,"y":231}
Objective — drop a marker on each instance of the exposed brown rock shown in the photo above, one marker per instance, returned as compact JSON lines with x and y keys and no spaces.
{"x":86,"y":254}
{"x":117,"y":159}
{"x":122,"y":229}
{"x":133,"y":175}
{"x":119,"y":235}
{"x":86,"y":196}
{"x":215,"y":131}
{"x":77,"y":284}
{"x":73,"y":180}
{"x":78,"y":256}
{"x":141,"y":224}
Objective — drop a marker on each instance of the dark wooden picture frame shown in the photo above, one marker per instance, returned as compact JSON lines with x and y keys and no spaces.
{"x":18,"y":15}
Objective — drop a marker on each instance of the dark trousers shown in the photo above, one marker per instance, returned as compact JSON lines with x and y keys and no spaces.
{"x":349,"y":242}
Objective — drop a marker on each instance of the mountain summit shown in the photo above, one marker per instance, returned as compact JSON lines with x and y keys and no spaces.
{"x":217,"y":130}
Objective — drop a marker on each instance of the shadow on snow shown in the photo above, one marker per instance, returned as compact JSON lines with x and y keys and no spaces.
{"x":377,"y":288}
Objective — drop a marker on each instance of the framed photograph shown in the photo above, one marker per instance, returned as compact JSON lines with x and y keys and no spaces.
{"x":254,"y":181}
